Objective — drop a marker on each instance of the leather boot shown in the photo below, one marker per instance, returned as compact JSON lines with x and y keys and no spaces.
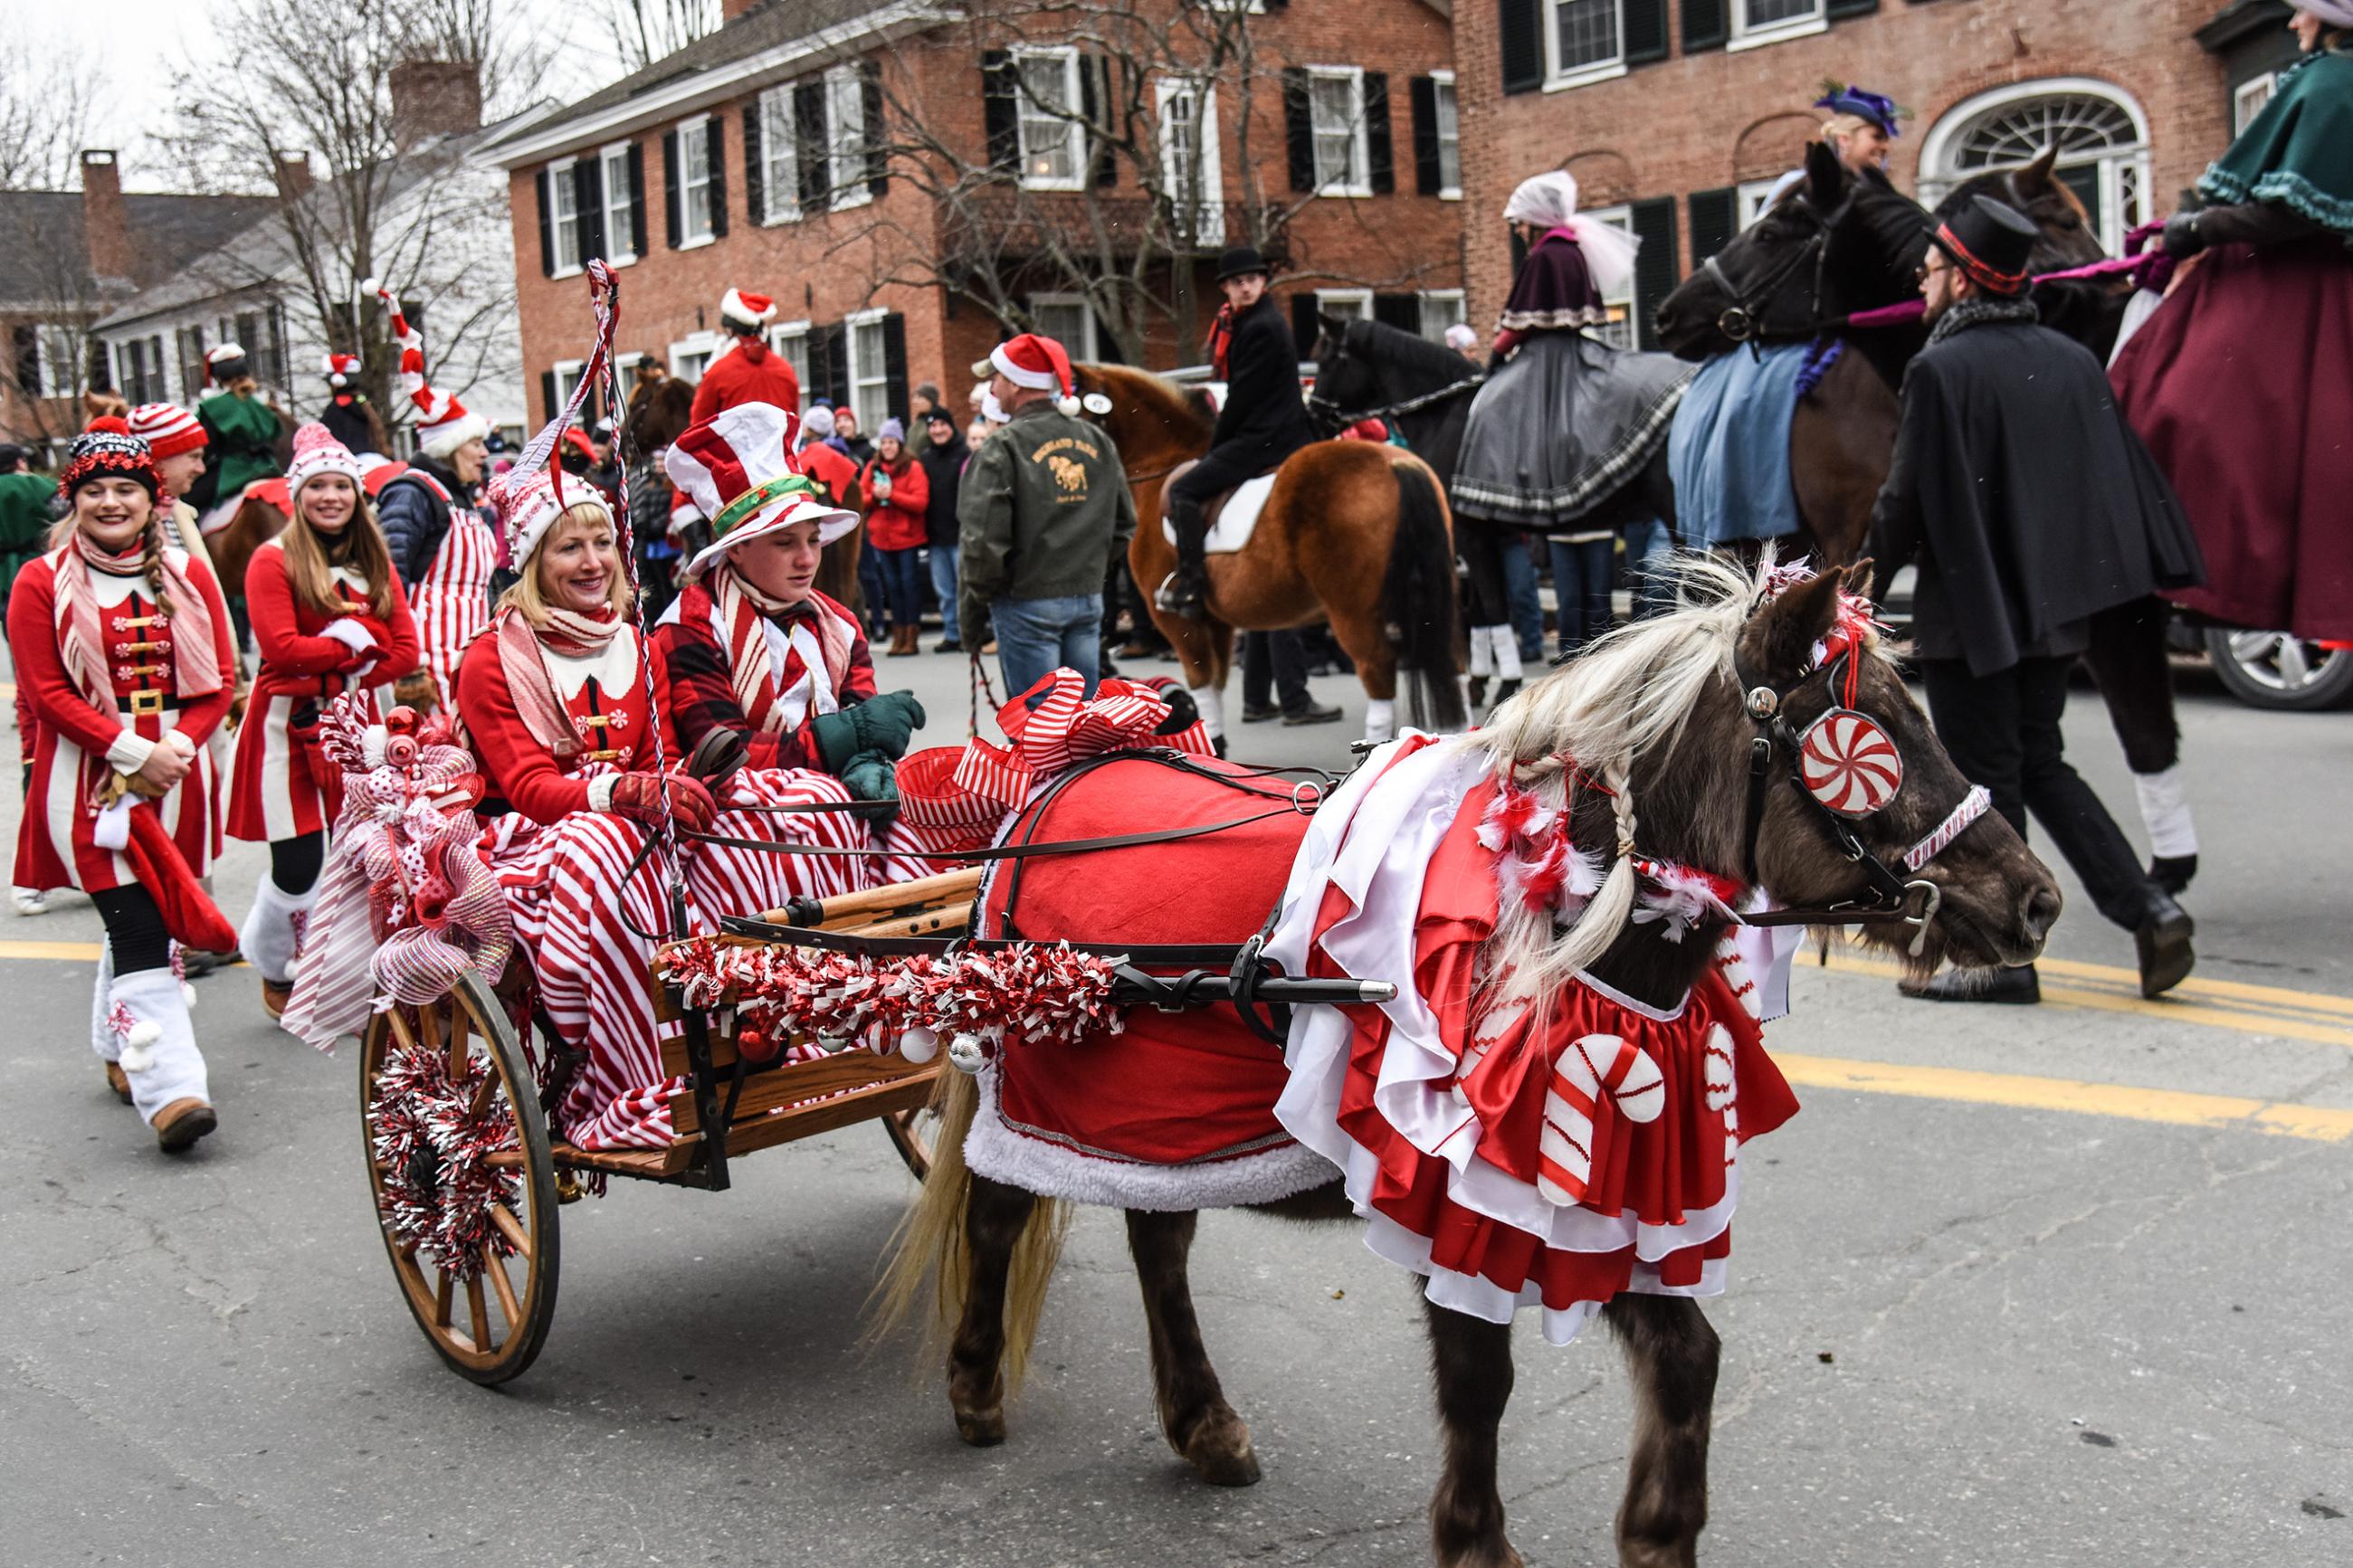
{"x":179,"y":1125}
{"x":1186,"y":590}
{"x":2162,"y":942}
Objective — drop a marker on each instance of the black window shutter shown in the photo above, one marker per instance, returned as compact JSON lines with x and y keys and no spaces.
{"x":101,"y":375}
{"x":1838,"y":8}
{"x":546,"y":230}
{"x":1304,"y":327}
{"x":588,"y":199}
{"x":1299,"y":124}
{"x":1426,"y":175}
{"x":28,"y":361}
{"x":1378,"y":149}
{"x":547,"y":392}
{"x":878,"y":145}
{"x":895,"y":364}
{"x":997,"y":108}
{"x":1523,"y":52}
{"x":1714,"y":219}
{"x":1099,"y":107}
{"x":671,"y":207}
{"x":756,"y":178}
{"x":1656,"y":269}
{"x":1707,"y":25}
{"x":1107,"y":346}
{"x":718,"y":162}
{"x":1645,"y":39}
{"x":818,"y":349}
{"x":810,"y":143}
{"x":637,"y":198}
{"x":837,"y":365}
{"x":1402,"y":312}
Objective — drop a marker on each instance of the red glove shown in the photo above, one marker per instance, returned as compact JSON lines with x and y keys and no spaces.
{"x":639,"y":796}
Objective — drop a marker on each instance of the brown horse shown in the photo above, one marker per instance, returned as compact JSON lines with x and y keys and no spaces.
{"x":1657,"y":709}
{"x":1353,"y":532}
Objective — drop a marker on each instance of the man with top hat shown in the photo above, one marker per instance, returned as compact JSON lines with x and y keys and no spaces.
{"x":1262,"y":421}
{"x":242,"y":431}
{"x":750,"y":644}
{"x":1043,"y":511}
{"x":749,"y":371}
{"x":2030,"y":506}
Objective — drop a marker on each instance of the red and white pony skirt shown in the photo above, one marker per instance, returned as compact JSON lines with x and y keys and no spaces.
{"x":1512,"y":1162}
{"x":579,"y":912}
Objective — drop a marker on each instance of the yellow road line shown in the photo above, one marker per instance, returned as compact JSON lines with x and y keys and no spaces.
{"x":86,"y":951}
{"x":2019,"y":1092}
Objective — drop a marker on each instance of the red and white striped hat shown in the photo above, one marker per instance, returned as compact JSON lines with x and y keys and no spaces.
{"x":528,"y":505}
{"x":167,"y":429}
{"x":1036,"y":361}
{"x":752,"y":309}
{"x":317,"y":452}
{"x":737,"y":469}
{"x":341,"y":369}
{"x":443,"y":425}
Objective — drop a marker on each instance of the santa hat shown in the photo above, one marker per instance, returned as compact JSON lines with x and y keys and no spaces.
{"x":317,"y":452}
{"x":747,"y":309}
{"x":1036,"y":361}
{"x":224,"y":363}
{"x":341,"y":369}
{"x":737,"y":467}
{"x":167,"y":429}
{"x":442,"y":423}
{"x":107,"y":449}
{"x":528,"y":505}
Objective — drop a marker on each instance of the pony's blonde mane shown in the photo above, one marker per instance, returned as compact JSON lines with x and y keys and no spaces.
{"x":1627,"y":695}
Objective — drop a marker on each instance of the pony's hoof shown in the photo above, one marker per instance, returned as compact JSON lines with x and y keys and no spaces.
{"x":1221,"y":1452}
{"x":981,"y":1428}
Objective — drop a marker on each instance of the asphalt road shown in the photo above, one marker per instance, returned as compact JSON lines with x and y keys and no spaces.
{"x":2060,"y":1287}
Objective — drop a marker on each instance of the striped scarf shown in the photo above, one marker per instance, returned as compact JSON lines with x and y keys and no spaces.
{"x":82,"y":633}
{"x":569,"y":635}
{"x":816,"y":641}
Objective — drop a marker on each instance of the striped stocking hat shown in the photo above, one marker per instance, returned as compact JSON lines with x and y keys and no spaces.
{"x":443,"y":425}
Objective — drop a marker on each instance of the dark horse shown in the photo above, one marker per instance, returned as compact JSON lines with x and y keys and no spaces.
{"x":1658,"y":709}
{"x":1830,"y":248}
{"x":1368,"y":369}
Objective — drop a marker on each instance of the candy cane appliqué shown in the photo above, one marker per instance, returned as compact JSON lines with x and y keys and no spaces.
{"x":1592,"y":1066}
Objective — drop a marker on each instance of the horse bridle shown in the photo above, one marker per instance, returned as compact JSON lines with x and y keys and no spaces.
{"x":1893,"y":901}
{"x":1332,"y":414}
{"x":1742,"y":319}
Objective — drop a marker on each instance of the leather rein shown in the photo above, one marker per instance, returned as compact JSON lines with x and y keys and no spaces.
{"x":1742,"y":319}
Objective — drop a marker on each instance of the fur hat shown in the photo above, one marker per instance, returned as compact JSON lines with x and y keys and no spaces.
{"x":737,"y":469}
{"x":317,"y":452}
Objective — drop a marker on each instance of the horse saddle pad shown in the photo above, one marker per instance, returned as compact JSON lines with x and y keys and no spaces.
{"x":1170,"y":1088}
{"x":1231,"y":517}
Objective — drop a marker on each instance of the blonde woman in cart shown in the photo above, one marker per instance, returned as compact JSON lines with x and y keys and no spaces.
{"x":329,"y":616}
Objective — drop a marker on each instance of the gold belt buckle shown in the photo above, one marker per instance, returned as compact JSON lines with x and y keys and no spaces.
{"x":146,"y":704}
{"x":609,"y":756}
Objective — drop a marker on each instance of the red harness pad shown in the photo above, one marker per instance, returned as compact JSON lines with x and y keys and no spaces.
{"x":1173,"y":1088}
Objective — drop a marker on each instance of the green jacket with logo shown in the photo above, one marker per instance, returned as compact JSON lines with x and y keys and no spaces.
{"x":1043,"y":511}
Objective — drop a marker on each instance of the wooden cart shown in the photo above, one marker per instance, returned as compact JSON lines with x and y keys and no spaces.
{"x":488,"y":1317}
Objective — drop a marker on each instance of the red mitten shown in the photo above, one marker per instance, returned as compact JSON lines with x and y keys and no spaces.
{"x":639,"y":796}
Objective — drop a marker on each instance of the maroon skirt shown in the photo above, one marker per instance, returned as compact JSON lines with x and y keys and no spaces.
{"x":2241,"y":384}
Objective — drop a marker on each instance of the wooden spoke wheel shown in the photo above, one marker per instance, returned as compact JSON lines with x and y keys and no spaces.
{"x":489,"y":1192}
{"x":915,"y":1133}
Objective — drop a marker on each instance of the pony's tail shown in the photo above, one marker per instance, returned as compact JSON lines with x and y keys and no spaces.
{"x":929,"y":1245}
{"x":1418,"y":600}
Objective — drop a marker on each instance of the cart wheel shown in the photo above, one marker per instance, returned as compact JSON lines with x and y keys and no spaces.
{"x":913,"y":1133}
{"x":487,"y":1320}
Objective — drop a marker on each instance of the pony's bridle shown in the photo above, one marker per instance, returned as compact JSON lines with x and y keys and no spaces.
{"x":1742,"y":319}
{"x":1893,"y":900}
{"x":1329,"y":414}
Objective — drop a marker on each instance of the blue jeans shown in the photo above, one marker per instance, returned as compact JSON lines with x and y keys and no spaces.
{"x":1520,"y":596}
{"x":943,"y":584}
{"x":1647,"y":548}
{"x":1037,"y":635}
{"x":869,"y":585}
{"x":903,"y":584}
{"x":1580,"y":582}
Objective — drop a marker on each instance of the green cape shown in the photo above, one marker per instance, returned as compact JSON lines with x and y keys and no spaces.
{"x":2299,"y":151}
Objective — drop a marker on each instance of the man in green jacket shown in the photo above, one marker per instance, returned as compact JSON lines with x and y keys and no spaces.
{"x":24,"y":498}
{"x":1044,"y":511}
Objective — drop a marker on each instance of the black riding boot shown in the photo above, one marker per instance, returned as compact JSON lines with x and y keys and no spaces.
{"x":1187,"y":591}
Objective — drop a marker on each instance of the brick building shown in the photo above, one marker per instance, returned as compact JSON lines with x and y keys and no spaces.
{"x":898,"y":176}
{"x":1677,"y":115}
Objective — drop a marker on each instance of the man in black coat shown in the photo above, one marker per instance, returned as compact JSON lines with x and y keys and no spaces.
{"x":1264,"y":419}
{"x":2030,"y":507}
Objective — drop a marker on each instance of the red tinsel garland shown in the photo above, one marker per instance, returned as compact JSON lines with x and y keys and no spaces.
{"x":438,"y":1184}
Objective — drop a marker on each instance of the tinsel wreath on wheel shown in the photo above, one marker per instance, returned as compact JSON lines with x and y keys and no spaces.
{"x":439,"y":1185}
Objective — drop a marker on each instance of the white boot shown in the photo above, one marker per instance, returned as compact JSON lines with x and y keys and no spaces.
{"x":158,"y":1045}
{"x":103,"y":1037}
{"x":1507,"y":653}
{"x":2165,"y":812}
{"x":1380,"y":722}
{"x":270,"y":938}
{"x":1211,"y":701}
{"x":1482,"y":652}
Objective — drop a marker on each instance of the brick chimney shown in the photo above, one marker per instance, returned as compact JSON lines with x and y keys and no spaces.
{"x":106,"y":228}
{"x":293,"y":176}
{"x":435,"y":97}
{"x":731,"y":9}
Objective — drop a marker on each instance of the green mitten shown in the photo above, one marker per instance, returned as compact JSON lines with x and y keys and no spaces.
{"x":888,"y":722}
{"x":836,"y":735}
{"x":870,"y":776}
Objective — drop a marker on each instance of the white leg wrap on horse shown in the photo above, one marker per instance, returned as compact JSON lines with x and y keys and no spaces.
{"x":1507,"y":653}
{"x":102,"y":1039}
{"x":2165,"y":811}
{"x":1483,"y":650}
{"x":1380,"y":720}
{"x":159,"y":1056}
{"x":267,"y":940}
{"x":1211,"y":701}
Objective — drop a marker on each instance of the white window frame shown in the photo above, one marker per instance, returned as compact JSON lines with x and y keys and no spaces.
{"x":1560,"y":79}
{"x":563,"y":208}
{"x":1744,"y":37}
{"x":1750,"y":197}
{"x":1360,"y":152}
{"x":1356,"y":301}
{"x":2248,"y":98}
{"x":844,"y":137}
{"x":1210,"y":220}
{"x":1443,"y":98}
{"x":1027,"y":110}
{"x":1086,"y":346}
{"x":2117,"y":210}
{"x":1622,"y":331}
{"x":694,"y":174}
{"x":1459,"y":312}
{"x":859,"y":377}
{"x":620,"y":233}
{"x":782,"y":333}
{"x":703,"y":347}
{"x":780,"y":200}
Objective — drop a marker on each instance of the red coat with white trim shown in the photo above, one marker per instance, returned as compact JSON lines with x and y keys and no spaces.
{"x":274,"y":795}
{"x":55,"y":847}
{"x":749,"y":373}
{"x":604,"y":694}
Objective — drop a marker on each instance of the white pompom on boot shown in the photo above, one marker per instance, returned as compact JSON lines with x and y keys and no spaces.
{"x":158,"y":1053}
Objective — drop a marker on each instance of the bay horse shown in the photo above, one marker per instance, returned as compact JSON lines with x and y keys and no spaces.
{"x":1354,"y":532}
{"x":1657,"y":712}
{"x":1843,"y":436}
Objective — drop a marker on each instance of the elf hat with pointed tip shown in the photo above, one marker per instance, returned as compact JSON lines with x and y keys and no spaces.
{"x":736,"y":467}
{"x":443,"y":424}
